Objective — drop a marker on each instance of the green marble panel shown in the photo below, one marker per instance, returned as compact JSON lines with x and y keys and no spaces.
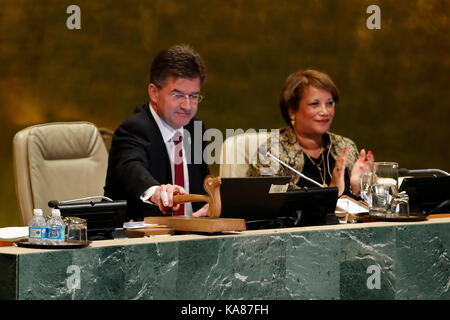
{"x":43,"y":275}
{"x":151,"y":271}
{"x":259,"y":267}
{"x":205,"y":269}
{"x":423,"y":262}
{"x":312,"y":265}
{"x":102,"y":272}
{"x":360,"y":249}
{"x":92,"y":283}
{"x":8,"y":284}
{"x":118,"y":272}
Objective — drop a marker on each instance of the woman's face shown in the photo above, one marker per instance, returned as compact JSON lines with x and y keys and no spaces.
{"x":315,"y":113}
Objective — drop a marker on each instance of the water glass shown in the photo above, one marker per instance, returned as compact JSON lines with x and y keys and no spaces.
{"x":400,"y":204}
{"x":76,"y":230}
{"x":379,"y":187}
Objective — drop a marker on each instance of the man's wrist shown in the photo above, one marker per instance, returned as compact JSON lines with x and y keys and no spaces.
{"x":147,"y":194}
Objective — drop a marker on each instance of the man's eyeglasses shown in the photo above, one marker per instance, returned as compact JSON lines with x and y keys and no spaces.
{"x":180,"y":97}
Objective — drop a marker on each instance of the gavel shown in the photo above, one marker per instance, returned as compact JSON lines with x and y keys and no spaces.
{"x":212,"y":187}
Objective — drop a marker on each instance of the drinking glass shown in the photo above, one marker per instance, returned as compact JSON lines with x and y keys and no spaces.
{"x":76,"y":230}
{"x":379,"y":187}
{"x":400,"y":204}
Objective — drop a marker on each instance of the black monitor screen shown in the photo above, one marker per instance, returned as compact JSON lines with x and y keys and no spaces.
{"x":428,"y":195}
{"x":313,"y":206}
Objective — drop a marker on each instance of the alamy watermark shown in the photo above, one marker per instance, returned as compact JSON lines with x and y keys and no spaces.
{"x":237,"y":147}
{"x":374,"y":280}
{"x":73,"y":22}
{"x":374,"y":20}
{"x":241,"y":147}
{"x":74,"y":280}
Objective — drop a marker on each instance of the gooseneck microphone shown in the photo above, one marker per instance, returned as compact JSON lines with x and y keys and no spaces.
{"x":56,"y":203}
{"x":268,"y":154}
{"x":405,"y":172}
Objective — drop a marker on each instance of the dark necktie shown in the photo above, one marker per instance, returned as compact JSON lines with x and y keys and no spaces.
{"x":179,"y":173}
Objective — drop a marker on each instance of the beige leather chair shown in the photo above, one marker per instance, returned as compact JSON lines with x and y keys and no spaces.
{"x":239,"y":151}
{"x":57,"y":161}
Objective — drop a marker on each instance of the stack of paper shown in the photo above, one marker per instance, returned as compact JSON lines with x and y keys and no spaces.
{"x":11,"y":233}
{"x":138,"y":224}
{"x":348,"y":205}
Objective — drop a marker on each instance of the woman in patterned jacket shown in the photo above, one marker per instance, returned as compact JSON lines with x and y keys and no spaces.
{"x":307,"y":104}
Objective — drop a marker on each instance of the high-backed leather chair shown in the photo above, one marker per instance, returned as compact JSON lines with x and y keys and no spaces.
{"x":239,"y":151}
{"x":57,"y":161}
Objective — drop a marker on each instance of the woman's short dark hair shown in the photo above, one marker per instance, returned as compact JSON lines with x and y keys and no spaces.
{"x":296,"y":83}
{"x":180,"y":61}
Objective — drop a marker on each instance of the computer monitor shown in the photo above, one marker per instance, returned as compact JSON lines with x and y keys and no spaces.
{"x":429,"y":195}
{"x":258,"y":200}
{"x":312,"y":206}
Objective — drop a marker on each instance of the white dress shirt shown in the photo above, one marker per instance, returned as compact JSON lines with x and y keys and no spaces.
{"x":168,"y":133}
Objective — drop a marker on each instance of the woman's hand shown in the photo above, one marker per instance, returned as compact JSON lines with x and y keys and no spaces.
{"x":338,"y":174}
{"x":363,"y":164}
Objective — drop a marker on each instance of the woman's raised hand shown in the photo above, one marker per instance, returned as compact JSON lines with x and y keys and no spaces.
{"x":363,"y":164}
{"x":338,"y":174}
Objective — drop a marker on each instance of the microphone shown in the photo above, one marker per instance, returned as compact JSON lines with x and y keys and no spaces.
{"x":405,"y":172}
{"x":53,"y":203}
{"x":56,"y":203}
{"x":268,"y":154}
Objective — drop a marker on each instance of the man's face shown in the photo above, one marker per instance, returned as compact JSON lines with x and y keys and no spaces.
{"x":171,"y":102}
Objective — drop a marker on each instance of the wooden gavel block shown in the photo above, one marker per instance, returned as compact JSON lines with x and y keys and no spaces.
{"x":212,"y":222}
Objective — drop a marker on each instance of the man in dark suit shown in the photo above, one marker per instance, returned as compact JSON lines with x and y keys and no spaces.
{"x":147,"y":163}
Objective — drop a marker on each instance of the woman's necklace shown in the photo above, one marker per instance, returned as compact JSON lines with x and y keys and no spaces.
{"x":322,"y":173}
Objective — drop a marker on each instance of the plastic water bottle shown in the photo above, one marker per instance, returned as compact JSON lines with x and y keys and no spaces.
{"x":56,"y":229}
{"x":37,"y":228}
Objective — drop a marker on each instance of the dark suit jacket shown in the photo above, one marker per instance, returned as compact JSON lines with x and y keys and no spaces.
{"x":138,"y":160}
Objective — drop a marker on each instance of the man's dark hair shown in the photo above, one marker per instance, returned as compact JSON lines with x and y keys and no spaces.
{"x":180,"y":61}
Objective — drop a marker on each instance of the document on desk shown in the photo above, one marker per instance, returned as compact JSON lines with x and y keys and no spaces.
{"x":140,"y":225}
{"x":12,"y":233}
{"x":349,"y":205}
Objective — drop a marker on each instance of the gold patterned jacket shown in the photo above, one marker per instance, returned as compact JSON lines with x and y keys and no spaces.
{"x":287,"y":149}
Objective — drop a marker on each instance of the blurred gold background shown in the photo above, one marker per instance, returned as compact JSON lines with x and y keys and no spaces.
{"x":393,"y":82}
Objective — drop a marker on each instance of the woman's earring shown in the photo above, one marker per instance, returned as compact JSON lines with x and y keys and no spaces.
{"x":292,"y":119}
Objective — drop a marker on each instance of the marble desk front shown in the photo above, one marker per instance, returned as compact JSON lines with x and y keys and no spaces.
{"x":380,"y":260}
